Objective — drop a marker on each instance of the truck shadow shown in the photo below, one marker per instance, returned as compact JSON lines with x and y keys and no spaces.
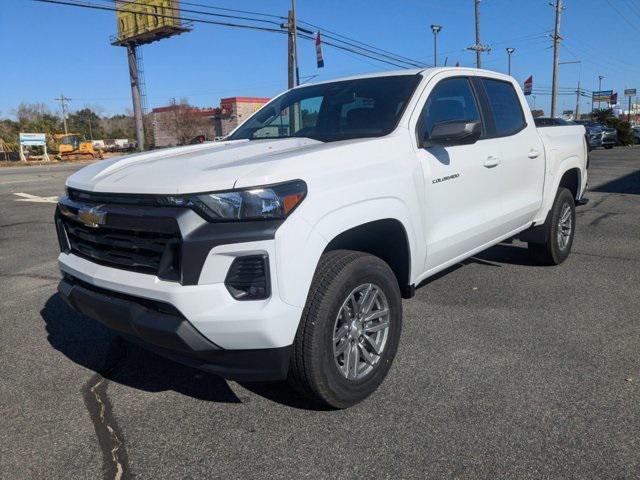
{"x":502,"y":254}
{"x":91,"y":345}
{"x":629,"y":184}
{"x":506,"y":253}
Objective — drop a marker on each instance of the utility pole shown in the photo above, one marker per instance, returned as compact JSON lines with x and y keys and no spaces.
{"x":510,"y":50}
{"x":478,"y":47}
{"x":436,"y":30}
{"x":477,"y":11}
{"x":293,"y":72}
{"x":63,"y":106}
{"x":295,"y":41}
{"x":290,"y":51}
{"x":600,"y":77}
{"x":556,"y":57}
{"x":135,"y":95}
{"x":577,"y":113}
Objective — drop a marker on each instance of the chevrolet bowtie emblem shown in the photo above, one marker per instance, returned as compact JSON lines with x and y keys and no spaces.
{"x":92,"y":217}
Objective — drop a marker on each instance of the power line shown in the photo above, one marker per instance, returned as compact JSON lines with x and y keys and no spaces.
{"x":372,"y":55}
{"x":122,"y":5}
{"x":326,"y":33}
{"x":82,"y":4}
{"x":624,"y":17}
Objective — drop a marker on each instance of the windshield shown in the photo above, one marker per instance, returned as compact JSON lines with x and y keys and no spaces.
{"x":366,"y":107}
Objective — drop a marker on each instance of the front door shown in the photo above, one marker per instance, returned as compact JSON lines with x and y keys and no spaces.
{"x":457,"y":197}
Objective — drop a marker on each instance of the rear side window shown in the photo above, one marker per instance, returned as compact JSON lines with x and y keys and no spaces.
{"x":505,"y":106}
{"x":451,"y":99}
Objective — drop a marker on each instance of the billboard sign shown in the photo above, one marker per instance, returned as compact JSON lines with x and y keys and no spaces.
{"x":33,"y":139}
{"x":528,"y":85}
{"x":630,"y":92}
{"x":145,"y":21}
{"x":602,"y":96}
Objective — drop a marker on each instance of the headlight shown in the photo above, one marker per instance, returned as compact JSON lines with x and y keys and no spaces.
{"x":257,"y":203}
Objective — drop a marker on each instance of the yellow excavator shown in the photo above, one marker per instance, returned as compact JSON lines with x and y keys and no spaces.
{"x":72,"y":146}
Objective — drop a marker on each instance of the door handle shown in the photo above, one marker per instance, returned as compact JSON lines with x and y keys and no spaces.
{"x":533,"y":153}
{"x":491,"y":161}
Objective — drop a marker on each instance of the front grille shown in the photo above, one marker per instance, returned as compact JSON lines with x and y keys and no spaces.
{"x":133,"y":250}
{"x":129,"y":239}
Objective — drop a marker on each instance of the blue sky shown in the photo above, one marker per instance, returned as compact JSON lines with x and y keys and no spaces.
{"x":50,"y":49}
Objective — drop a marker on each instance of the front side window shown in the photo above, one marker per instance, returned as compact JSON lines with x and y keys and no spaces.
{"x":450,"y":100}
{"x":365,"y":107}
{"x":505,"y":106}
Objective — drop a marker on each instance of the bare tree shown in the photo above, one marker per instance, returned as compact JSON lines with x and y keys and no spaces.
{"x":184,"y":122}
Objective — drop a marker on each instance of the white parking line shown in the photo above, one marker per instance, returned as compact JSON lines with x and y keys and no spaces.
{"x":27,"y":197}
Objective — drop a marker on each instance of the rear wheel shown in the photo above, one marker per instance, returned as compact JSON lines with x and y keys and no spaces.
{"x":559,"y":236}
{"x":349,"y":331}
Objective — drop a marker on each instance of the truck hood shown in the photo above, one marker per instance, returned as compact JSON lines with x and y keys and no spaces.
{"x":196,"y":168}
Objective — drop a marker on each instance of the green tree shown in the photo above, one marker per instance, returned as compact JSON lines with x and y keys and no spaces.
{"x":87,"y":123}
{"x":606,"y":117}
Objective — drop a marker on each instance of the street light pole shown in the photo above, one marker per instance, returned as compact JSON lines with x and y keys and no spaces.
{"x":600,"y":77}
{"x":510,"y":50}
{"x":436,"y":30}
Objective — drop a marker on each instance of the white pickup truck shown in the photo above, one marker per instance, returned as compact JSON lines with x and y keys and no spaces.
{"x":283,"y":251}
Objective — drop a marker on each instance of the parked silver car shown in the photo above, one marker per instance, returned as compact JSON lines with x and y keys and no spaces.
{"x":609,"y":137}
{"x":594,"y":132}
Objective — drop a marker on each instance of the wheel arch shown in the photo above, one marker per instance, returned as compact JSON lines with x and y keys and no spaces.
{"x":571,"y":179}
{"x":385,"y":238}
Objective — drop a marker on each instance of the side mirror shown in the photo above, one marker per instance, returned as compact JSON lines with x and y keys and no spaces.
{"x":453,"y":133}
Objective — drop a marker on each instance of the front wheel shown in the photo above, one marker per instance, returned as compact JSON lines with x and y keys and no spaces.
{"x":559,"y":236}
{"x":350,"y":328}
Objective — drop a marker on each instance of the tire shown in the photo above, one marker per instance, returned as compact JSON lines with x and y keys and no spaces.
{"x":556,"y":249}
{"x":315,"y":369}
{"x":608,"y":147}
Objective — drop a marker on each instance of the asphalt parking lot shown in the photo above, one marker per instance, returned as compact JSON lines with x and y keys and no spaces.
{"x":505,"y":369}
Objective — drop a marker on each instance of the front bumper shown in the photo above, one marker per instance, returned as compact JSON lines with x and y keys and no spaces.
{"x":209,"y":307}
{"x":162,"y":328}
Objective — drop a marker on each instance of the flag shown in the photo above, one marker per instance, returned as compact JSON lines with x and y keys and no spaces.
{"x":528,"y":85}
{"x":319,"y":51}
{"x":614,"y":99}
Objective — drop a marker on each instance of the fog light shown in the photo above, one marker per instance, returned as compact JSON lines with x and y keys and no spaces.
{"x":248,"y":278}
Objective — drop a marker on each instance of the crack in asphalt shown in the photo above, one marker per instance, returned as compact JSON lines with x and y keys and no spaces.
{"x":115,"y":459}
{"x":34,"y":276}
{"x":601,"y":217}
{"x":25,"y":223}
{"x":612,"y":257}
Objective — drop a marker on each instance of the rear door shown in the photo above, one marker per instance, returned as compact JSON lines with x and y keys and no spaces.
{"x":518,"y":178}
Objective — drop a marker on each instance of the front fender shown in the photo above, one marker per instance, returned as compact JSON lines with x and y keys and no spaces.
{"x":300,"y":243}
